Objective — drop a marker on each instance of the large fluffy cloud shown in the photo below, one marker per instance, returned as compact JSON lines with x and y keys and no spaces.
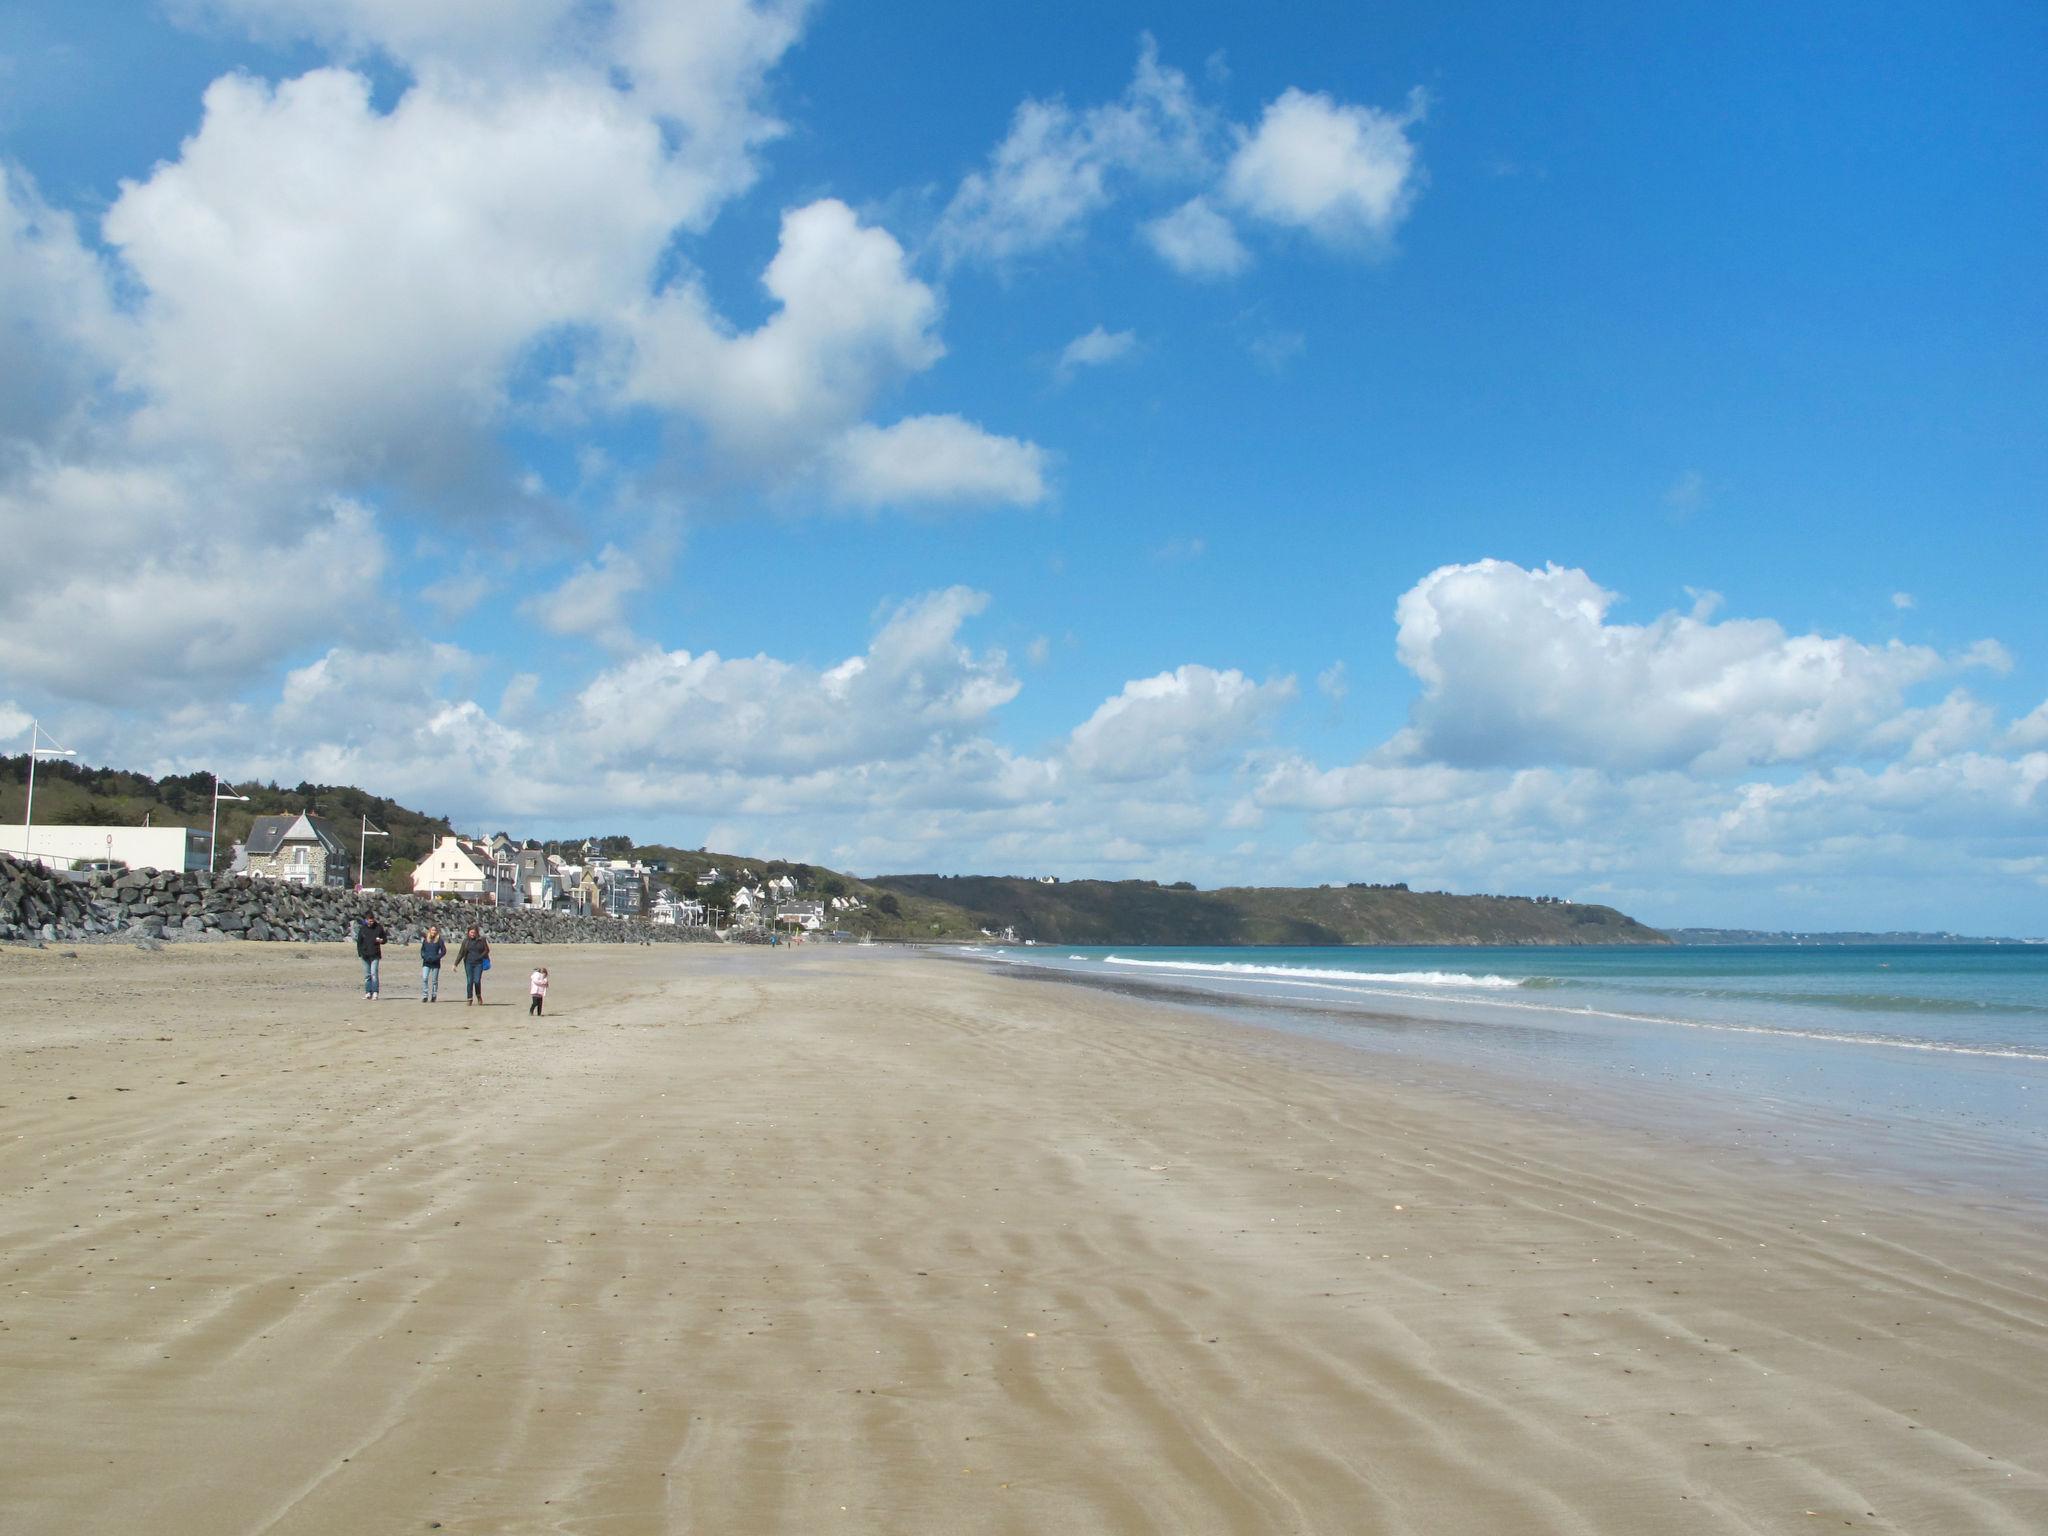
{"x":350,"y":287}
{"x":356,"y":293}
{"x":1188,"y":718}
{"x":135,"y":583}
{"x":697,"y":65}
{"x":59,"y":329}
{"x":1523,"y":667}
{"x":916,"y":684}
{"x":850,"y":321}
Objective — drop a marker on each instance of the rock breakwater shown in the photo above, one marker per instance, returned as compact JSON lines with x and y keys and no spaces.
{"x":166,"y":904}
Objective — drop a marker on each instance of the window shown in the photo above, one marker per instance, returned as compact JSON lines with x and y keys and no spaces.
{"x":299,"y":855}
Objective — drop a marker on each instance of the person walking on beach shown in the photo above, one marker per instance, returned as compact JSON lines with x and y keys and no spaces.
{"x":475,"y":956}
{"x":538,"y":985}
{"x":433,"y":949}
{"x":370,"y":947}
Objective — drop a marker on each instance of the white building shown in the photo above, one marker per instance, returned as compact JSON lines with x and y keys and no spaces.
{"x":807,"y":915}
{"x":457,"y":867}
{"x":177,"y":848}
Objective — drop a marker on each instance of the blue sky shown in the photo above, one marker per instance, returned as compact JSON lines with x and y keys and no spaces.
{"x":1583,"y":450}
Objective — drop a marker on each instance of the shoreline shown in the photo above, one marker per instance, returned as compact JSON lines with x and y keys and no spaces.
{"x":750,"y":1240}
{"x":1783,"y":1092}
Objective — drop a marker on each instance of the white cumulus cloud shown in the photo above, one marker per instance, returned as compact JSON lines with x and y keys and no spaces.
{"x":850,"y":321}
{"x":131,"y":579}
{"x":1347,"y":174}
{"x":1096,"y":348}
{"x":1197,"y":241}
{"x":1057,"y":167}
{"x":934,"y":460}
{"x":1522,"y":666}
{"x":333,"y":284}
{"x":1190,"y":717}
{"x":699,"y":66}
{"x":592,"y":599}
{"x":63,"y":334}
{"x":916,"y":684}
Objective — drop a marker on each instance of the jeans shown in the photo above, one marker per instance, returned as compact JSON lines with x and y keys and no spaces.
{"x":370,"y":977}
{"x":475,"y":970}
{"x":430,"y":983}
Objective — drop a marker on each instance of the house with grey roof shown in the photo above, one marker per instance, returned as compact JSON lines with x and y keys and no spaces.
{"x":300,"y":848}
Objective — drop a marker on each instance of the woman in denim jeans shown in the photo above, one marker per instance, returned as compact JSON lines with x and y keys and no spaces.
{"x":475,"y":954}
{"x":432,"y":949}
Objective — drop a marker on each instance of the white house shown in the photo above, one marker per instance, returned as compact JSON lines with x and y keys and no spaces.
{"x":807,"y":915}
{"x":457,"y":867}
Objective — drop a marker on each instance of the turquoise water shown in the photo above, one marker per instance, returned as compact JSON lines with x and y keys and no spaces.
{"x":1909,"y":1055}
{"x":1990,"y":999}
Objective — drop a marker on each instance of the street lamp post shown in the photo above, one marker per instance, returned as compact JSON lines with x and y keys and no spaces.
{"x":213,"y":837}
{"x":363,"y":853}
{"x":28,"y":815}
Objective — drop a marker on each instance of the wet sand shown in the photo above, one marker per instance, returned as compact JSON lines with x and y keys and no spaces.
{"x":752,"y":1241}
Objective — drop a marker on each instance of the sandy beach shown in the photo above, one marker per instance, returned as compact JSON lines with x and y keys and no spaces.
{"x":859,"y":1240}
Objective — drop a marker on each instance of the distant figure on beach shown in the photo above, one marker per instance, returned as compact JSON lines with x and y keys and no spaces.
{"x":475,"y":956}
{"x":538,"y":986}
{"x":433,"y":949}
{"x":370,"y":946}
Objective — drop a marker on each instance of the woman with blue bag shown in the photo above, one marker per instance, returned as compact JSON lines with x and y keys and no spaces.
{"x":475,"y":956}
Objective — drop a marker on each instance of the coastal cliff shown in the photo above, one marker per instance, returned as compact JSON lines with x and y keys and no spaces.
{"x":1144,"y":912}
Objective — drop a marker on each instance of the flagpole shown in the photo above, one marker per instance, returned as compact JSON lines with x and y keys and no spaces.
{"x":28,"y":815}
{"x":363,"y":854}
{"x":213,"y":837}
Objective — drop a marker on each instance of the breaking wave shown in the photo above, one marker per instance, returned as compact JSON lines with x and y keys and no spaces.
{"x":1310,"y":973}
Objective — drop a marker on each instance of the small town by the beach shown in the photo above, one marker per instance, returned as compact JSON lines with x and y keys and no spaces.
{"x":774,"y":768}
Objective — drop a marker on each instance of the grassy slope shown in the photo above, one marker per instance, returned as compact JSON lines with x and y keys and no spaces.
{"x":67,"y":793}
{"x":1139,"y":912}
{"x":929,"y":906}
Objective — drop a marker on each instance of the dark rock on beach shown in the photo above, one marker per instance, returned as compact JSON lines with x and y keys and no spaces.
{"x":149,"y":905}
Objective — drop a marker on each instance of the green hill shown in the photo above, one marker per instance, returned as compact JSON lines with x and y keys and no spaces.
{"x":72,"y":794}
{"x":1145,"y":912}
{"x":927,"y":907}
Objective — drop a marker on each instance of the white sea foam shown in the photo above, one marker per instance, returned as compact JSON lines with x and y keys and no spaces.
{"x":1320,"y":981}
{"x":1310,"y":973}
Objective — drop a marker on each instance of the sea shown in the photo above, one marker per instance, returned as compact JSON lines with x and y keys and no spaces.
{"x":1927,"y":1063}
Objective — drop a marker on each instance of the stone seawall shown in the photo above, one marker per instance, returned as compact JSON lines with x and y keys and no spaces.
{"x":161,"y":904}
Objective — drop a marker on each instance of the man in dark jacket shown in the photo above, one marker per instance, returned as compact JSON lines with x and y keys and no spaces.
{"x":370,"y":946}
